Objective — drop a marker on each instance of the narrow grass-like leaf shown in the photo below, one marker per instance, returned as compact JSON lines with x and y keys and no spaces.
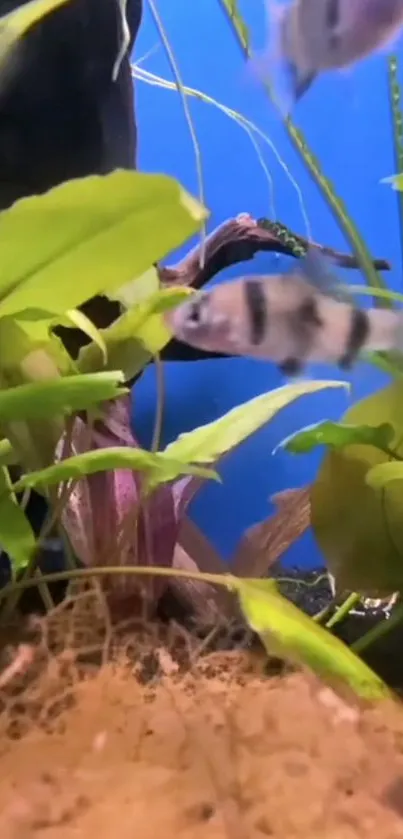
{"x":80,"y":321}
{"x":113,"y":457}
{"x":209,"y":442}
{"x":382,"y":293}
{"x":337,"y":435}
{"x":16,"y":535}
{"x":285,"y":629}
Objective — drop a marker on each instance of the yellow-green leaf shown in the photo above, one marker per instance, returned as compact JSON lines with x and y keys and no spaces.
{"x":232,"y":8}
{"x":337,"y":435}
{"x":20,"y":338}
{"x":383,"y":474}
{"x":138,"y":289}
{"x":209,"y":442}
{"x":135,"y":337}
{"x":64,"y":395}
{"x":80,"y":321}
{"x":16,"y":535}
{"x":396,"y":181}
{"x":359,"y":528}
{"x":8,"y":456}
{"x":16,"y":23}
{"x":114,"y":457}
{"x":284,"y":629}
{"x":89,"y":236}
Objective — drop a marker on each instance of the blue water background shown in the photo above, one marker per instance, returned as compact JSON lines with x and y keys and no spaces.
{"x":346,"y":121}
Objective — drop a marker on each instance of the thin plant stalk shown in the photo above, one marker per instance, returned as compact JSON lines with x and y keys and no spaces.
{"x":188,"y":117}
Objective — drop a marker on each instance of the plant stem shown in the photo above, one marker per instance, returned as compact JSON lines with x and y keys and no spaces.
{"x":379,"y":631}
{"x":343,"y":610}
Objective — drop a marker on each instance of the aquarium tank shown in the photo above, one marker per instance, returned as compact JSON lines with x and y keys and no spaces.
{"x":201,"y":418}
{"x":144,"y":161}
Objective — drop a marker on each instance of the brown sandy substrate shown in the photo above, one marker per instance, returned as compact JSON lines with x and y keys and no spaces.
{"x":221,"y":752}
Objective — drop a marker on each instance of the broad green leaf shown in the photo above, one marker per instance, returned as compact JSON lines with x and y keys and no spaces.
{"x":78,"y":466}
{"x":381,"y":475}
{"x":209,"y":442}
{"x":64,"y":395}
{"x":16,"y":23}
{"x":360,"y":529}
{"x":297,"y":636}
{"x":396,"y":181}
{"x":93,"y":234}
{"x":138,"y":289}
{"x":337,"y":435}
{"x":135,"y":337}
{"x":16,"y":535}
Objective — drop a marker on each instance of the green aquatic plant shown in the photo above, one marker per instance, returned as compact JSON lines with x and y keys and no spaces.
{"x":197,"y":153}
{"x":283,"y":629}
{"x":91,"y":468}
{"x":397,"y":126}
{"x":82,"y":229}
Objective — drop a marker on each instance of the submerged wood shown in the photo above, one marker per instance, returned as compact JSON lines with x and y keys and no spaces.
{"x":239,"y":240}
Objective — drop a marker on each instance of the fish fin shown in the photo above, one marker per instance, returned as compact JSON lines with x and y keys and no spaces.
{"x":316,"y":270}
{"x":287,"y":82}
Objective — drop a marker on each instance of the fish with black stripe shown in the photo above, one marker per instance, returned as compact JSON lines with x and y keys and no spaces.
{"x":290,"y":319}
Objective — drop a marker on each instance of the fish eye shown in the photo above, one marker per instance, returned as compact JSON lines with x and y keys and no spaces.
{"x":197,"y":310}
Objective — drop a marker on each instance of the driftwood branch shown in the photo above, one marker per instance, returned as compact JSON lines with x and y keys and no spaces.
{"x":239,"y":240}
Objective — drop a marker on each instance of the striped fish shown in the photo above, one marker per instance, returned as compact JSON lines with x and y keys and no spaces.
{"x":290,"y":319}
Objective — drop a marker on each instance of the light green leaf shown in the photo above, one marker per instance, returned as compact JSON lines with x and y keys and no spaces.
{"x":20,"y":338}
{"x":138,"y":289}
{"x":232,"y":8}
{"x":135,"y":337}
{"x":94,"y":234}
{"x":159,"y":468}
{"x":209,"y":442}
{"x":15,"y":24}
{"x":8,"y":456}
{"x":390,"y":362}
{"x":80,"y":321}
{"x":337,"y":435}
{"x":284,"y":629}
{"x":64,"y":395}
{"x":16,"y":535}
{"x":359,"y":528}
{"x":381,"y":475}
{"x":396,"y":181}
{"x":382,"y":293}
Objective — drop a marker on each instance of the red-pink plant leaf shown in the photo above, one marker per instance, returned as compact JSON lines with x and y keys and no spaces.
{"x":107,"y":521}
